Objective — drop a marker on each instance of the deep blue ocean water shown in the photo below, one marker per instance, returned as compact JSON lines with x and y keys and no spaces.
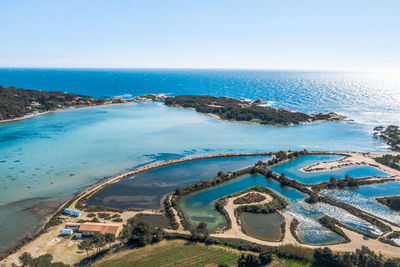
{"x":367,"y":97}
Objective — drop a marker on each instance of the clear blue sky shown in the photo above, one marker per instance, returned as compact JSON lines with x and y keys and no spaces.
{"x":278,"y":34}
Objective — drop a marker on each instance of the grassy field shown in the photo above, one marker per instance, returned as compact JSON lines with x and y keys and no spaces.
{"x":182,"y":253}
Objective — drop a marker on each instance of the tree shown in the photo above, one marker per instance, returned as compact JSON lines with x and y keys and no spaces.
{"x":98,"y":240}
{"x":141,"y":233}
{"x":332,"y":180}
{"x":265,"y":257}
{"x":25,"y":258}
{"x":249,"y":260}
{"x":41,"y":261}
{"x":86,"y":245}
{"x":200,"y":232}
{"x":109,"y":239}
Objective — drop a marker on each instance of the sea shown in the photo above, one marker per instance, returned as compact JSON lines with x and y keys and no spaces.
{"x":48,"y":159}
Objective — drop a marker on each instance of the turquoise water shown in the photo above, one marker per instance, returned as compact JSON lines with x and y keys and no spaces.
{"x":292,"y":169}
{"x":199,"y":207}
{"x":368,"y":97}
{"x":52,"y":157}
{"x":48,"y":159}
{"x":364,"y":196}
{"x":145,"y":190}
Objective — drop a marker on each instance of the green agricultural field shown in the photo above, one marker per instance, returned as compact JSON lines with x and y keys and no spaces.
{"x":183,"y":253}
{"x":174,"y":253}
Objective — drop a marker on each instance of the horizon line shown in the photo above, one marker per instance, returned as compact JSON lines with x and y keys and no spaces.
{"x":333,"y":69}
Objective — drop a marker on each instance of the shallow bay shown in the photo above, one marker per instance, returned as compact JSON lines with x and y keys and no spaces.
{"x":56,"y":155}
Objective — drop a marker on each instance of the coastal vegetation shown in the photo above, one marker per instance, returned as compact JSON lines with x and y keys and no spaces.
{"x":332,"y":224}
{"x":390,"y":134}
{"x":347,"y":182}
{"x":392,"y":161}
{"x":140,"y":233}
{"x":18,"y":102}
{"x":392,"y":202}
{"x":389,"y":239}
{"x":249,"y":198}
{"x":240,"y":110}
{"x":277,"y":203}
{"x":363,"y":257}
{"x":27,"y":260}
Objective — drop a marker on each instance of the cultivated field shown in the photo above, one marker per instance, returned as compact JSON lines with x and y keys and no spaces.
{"x":181,"y":253}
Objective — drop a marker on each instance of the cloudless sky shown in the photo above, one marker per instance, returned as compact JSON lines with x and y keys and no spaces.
{"x":278,"y":34}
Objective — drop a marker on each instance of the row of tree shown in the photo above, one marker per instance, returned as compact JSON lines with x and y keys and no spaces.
{"x":45,"y":260}
{"x":363,"y":257}
{"x":96,"y":241}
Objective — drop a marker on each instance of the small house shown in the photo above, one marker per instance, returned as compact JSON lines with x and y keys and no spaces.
{"x":72,"y":212}
{"x":73,"y":226}
{"x":66,"y":231}
{"x":88,"y":229}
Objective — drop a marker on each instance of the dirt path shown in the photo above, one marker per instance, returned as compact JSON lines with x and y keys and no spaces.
{"x":236,"y":231}
{"x":230,"y":208}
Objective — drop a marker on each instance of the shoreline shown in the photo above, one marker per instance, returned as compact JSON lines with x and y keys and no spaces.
{"x":89,"y":191}
{"x":30,"y":116}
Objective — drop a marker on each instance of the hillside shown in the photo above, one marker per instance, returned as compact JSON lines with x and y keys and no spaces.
{"x":18,"y":102}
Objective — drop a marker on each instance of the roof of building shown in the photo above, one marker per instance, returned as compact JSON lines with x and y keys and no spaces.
{"x":102,"y":228}
{"x":73,"y":224}
{"x":71,"y":210}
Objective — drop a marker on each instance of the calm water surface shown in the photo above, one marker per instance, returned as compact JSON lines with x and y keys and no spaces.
{"x":262,"y":226}
{"x":46,"y":160}
{"x":200,"y":206}
{"x":292,"y":169}
{"x":145,"y":190}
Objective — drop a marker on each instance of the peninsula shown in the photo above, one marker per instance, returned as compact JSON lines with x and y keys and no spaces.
{"x":243,"y":110}
{"x":18,"y":103}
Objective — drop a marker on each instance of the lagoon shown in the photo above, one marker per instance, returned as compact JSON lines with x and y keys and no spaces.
{"x":46,"y":160}
{"x":200,"y":206}
{"x":292,"y":169}
{"x":145,"y":190}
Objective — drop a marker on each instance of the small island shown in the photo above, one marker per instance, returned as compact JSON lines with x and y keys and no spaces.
{"x":18,"y":103}
{"x":232,"y":109}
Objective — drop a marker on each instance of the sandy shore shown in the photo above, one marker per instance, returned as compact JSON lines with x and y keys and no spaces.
{"x":354,"y":159}
{"x":64,"y":249}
